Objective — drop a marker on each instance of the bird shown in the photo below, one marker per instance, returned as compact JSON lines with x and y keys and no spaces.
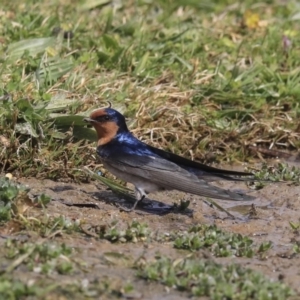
{"x":151,"y":169}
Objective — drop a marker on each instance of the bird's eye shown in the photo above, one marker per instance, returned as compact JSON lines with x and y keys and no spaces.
{"x":103,"y":118}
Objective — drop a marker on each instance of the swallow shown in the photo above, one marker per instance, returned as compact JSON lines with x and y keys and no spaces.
{"x":151,"y":169}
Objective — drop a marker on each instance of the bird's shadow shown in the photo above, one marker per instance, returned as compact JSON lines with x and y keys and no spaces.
{"x":147,"y":205}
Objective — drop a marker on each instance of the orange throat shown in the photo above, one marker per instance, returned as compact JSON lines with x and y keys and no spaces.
{"x":106,"y":132}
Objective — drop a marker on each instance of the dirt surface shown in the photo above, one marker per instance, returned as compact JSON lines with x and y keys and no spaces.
{"x":275,"y":206}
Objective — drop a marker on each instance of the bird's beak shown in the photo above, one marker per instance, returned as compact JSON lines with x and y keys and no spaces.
{"x":88,"y":120}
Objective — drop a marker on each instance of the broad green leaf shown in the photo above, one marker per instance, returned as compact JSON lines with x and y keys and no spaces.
{"x":59,"y":102}
{"x":67,"y":120}
{"x":84,"y":133}
{"x":64,"y":122}
{"x":32,"y":46}
{"x":51,"y":69}
{"x":79,"y":132}
{"x":115,"y":187}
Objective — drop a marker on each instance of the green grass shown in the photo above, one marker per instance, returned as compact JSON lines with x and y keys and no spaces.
{"x":200,"y":278}
{"x":207,"y":278}
{"x":194,"y":78}
{"x":113,"y":232}
{"x":39,"y":257}
{"x":11,"y":288}
{"x":15,"y":199}
{"x":220,"y":243}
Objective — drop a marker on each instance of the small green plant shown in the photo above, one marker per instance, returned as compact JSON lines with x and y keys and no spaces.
{"x":11,"y":288}
{"x":281,"y":171}
{"x":296,"y":248}
{"x":51,"y":226}
{"x":296,"y":230}
{"x":221,"y":243}
{"x":105,"y":287}
{"x":182,"y":205}
{"x":265,"y":246}
{"x":295,"y":226}
{"x":133,"y":233}
{"x":206,"y":278}
{"x":39,"y":257}
{"x":15,"y":200}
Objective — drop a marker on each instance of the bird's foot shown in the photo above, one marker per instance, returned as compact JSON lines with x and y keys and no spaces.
{"x":123,"y":208}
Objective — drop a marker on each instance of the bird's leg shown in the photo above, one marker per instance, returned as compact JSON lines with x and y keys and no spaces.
{"x":140,"y":195}
{"x":135,"y":203}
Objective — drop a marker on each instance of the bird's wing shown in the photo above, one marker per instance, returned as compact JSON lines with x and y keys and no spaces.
{"x":169,"y":175}
{"x":201,"y":170}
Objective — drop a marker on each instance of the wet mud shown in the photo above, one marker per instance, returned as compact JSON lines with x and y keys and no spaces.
{"x":265,"y":219}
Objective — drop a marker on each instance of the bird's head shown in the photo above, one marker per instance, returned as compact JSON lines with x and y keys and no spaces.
{"x":108,"y":123}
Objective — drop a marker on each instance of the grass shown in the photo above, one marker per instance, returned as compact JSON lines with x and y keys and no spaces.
{"x":113,"y":232}
{"x":203,"y":80}
{"x":220,"y":243}
{"x":44,"y":256}
{"x":209,"y":279}
{"x":15,"y":199}
{"x":39,"y":257}
{"x":216,"y":81}
{"x":12,"y":288}
{"x":217,"y":241}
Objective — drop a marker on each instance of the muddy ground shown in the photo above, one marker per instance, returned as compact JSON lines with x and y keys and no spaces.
{"x":276,"y":205}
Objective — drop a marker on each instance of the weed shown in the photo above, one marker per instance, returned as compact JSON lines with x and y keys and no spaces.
{"x":39,"y":257}
{"x":134,"y":232}
{"x":219,"y":242}
{"x":296,"y":248}
{"x":280,"y":172}
{"x":45,"y":226}
{"x":15,"y":200}
{"x":295,"y":227}
{"x":296,"y":244}
{"x":15,"y":289}
{"x":206,"y":278}
{"x":12,"y":288}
